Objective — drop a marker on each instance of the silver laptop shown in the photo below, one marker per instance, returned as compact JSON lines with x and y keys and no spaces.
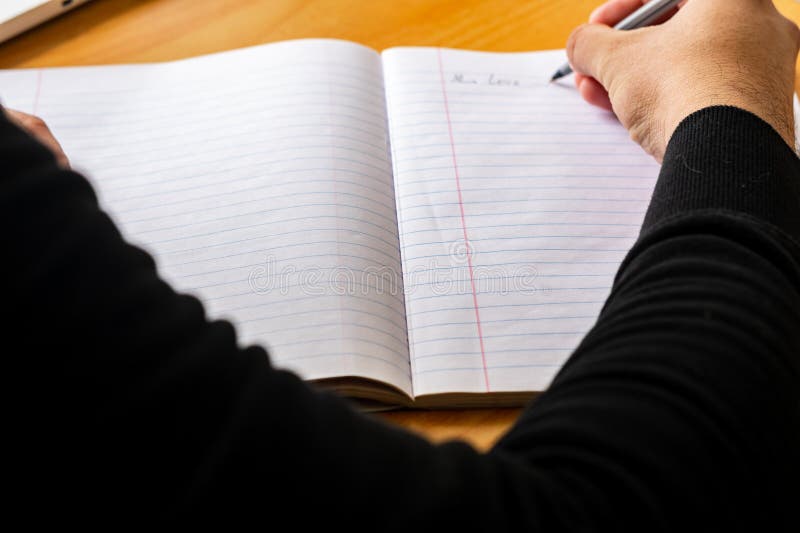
{"x":16,"y":16}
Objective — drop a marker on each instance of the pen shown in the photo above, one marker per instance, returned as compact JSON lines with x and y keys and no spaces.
{"x":645,"y":15}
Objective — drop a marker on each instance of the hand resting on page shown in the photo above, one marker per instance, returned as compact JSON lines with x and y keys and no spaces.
{"x":37,"y":128}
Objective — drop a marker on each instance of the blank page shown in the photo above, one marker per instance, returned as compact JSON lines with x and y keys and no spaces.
{"x":516,"y":204}
{"x":260,"y":180}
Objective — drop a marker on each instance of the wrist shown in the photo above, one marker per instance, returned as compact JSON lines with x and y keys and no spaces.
{"x":724,"y":158}
{"x":774,"y":109}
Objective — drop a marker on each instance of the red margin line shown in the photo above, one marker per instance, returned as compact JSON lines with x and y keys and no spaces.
{"x":463,"y":221}
{"x":38,"y":92}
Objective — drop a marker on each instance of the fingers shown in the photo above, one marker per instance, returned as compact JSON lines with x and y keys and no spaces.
{"x":39,"y":130}
{"x":591,"y":49}
{"x":593,"y":92}
{"x":614,"y":11}
{"x":609,"y":14}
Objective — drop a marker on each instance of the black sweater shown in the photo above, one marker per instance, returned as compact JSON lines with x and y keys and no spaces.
{"x":679,"y":411}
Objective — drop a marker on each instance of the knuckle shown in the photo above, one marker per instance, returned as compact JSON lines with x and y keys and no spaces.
{"x":794,"y":31}
{"x":791,"y":28}
{"x":36,"y":123}
{"x":574,"y":38}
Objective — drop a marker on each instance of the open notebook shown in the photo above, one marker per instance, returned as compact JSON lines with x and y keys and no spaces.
{"x":425,"y":226}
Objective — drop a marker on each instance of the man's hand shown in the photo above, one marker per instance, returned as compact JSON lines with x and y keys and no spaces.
{"x":39,"y":130}
{"x":710,"y":52}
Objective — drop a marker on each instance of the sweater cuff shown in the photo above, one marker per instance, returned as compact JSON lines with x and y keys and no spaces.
{"x":725,"y":159}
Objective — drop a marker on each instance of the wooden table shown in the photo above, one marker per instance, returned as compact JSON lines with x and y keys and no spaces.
{"x":128,"y":31}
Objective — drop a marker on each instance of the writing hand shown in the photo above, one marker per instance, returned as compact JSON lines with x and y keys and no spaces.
{"x":39,"y":130}
{"x":711,"y":52}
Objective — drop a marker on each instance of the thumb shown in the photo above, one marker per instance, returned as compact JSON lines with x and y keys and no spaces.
{"x":593,"y":49}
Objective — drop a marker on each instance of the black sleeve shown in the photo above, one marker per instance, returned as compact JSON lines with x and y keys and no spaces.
{"x":681,"y":408}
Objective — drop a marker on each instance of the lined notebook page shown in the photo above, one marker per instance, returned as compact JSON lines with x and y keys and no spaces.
{"x":796,"y":124}
{"x":260,"y":180}
{"x":516,"y":204}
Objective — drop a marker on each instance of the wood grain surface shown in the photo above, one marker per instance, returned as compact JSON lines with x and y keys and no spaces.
{"x":133,"y":31}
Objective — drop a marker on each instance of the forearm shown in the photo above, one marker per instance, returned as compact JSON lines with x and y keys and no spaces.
{"x":134,"y":405}
{"x":681,"y":408}
{"x":133,"y":389}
